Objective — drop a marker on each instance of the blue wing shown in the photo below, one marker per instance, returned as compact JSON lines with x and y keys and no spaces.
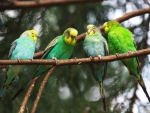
{"x":13,"y":46}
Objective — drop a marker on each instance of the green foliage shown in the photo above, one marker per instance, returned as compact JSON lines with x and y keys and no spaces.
{"x":70,"y":89}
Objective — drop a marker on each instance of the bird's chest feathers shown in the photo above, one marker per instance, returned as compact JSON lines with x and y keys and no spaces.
{"x":94,"y":47}
{"x":115,"y":42}
{"x":62,"y":51}
{"x":93,"y":41}
{"x":24,"y":50}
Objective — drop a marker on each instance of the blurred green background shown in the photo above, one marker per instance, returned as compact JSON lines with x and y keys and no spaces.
{"x":72,"y":89}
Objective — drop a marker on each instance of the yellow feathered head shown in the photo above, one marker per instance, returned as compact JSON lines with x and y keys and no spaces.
{"x":70,"y":35}
{"x":92,"y":29}
{"x":31,"y":33}
{"x":109,"y":24}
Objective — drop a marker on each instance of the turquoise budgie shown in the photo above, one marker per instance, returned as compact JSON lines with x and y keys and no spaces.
{"x":21,"y":49}
{"x":95,"y":45}
{"x":59,"y":48}
{"x":120,"y":40}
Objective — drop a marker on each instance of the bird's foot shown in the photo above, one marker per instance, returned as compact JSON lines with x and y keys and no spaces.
{"x":75,"y":58}
{"x":117,"y":54}
{"x":91,"y":57}
{"x":100,"y":57}
{"x":18,"y":60}
{"x":56,"y":61}
{"x":31,"y":59}
{"x":129,"y":52}
{"x":79,"y":63}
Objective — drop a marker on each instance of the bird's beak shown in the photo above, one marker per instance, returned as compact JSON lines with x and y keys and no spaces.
{"x":105,"y":24}
{"x":89,"y":31}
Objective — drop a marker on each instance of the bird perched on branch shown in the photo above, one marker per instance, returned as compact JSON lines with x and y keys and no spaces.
{"x":120,"y":40}
{"x":22,"y":48}
{"x":59,"y":48}
{"x":95,"y":45}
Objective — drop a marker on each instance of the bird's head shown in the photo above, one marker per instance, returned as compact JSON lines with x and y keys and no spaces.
{"x":92,"y":29}
{"x":70,"y":35}
{"x":109,"y":24}
{"x":31,"y":33}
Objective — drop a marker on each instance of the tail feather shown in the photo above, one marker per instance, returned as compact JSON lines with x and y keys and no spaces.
{"x":104,"y":103}
{"x":146,"y":93}
{"x":37,"y":73}
{"x":21,"y":89}
{"x":3,"y":91}
{"x":141,"y":82}
{"x":102,"y":94}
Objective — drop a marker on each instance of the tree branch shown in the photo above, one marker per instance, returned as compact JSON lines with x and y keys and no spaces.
{"x":120,"y":19}
{"x":76,"y":61}
{"x":38,"y":54}
{"x":25,"y":100}
{"x":41,"y":88}
{"x":33,"y":4}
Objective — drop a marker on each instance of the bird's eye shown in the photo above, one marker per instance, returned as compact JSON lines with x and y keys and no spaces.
{"x":72,"y":36}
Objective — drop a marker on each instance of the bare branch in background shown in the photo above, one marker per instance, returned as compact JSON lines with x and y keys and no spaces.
{"x":25,"y":100}
{"x":41,"y":89}
{"x":147,"y":2}
{"x":33,"y":4}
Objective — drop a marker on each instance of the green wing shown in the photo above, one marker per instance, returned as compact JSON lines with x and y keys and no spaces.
{"x":50,"y":46}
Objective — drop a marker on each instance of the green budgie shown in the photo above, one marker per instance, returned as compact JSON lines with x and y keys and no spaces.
{"x":120,"y":40}
{"x":95,"y":45}
{"x":21,"y":49}
{"x":59,"y":48}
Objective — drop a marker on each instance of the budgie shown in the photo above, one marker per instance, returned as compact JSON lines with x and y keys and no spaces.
{"x":120,"y":40}
{"x":95,"y":45}
{"x":59,"y":48}
{"x":22,"y":48}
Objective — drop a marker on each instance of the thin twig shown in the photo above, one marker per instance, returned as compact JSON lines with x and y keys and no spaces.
{"x":25,"y":100}
{"x":41,"y":88}
{"x":38,"y":54}
{"x":147,"y":2}
{"x":133,"y":99}
{"x":31,"y":4}
{"x":27,"y":110}
{"x":86,"y":110}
